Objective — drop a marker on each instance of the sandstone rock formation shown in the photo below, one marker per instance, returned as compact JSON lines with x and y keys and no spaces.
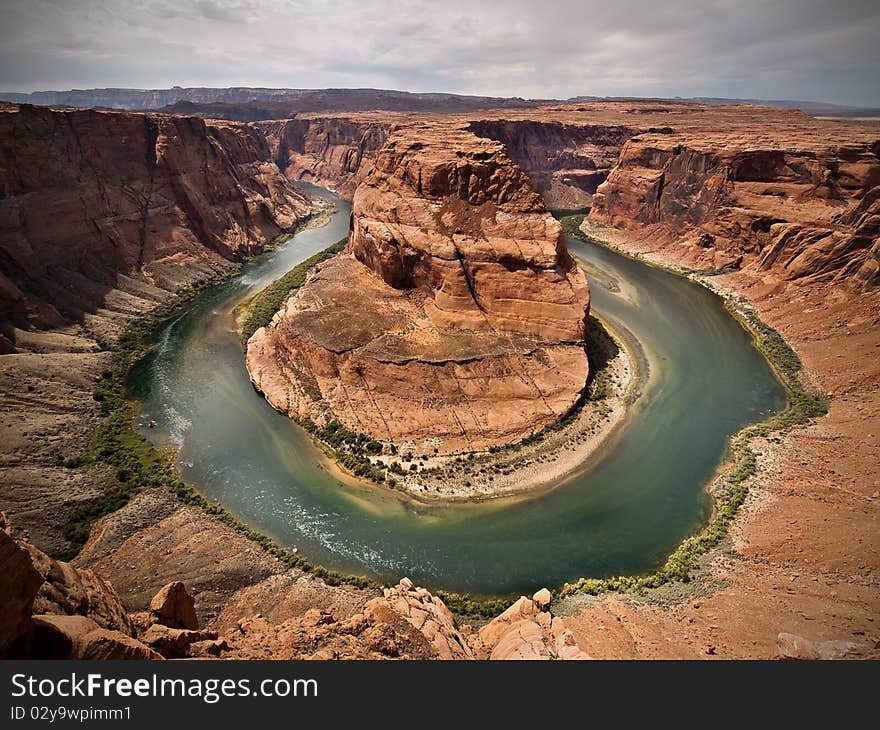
{"x":173,"y":607}
{"x":528,"y":631}
{"x":426,"y":613}
{"x":802,"y":210}
{"x":49,"y":609}
{"x":774,"y":190}
{"x":405,"y":622}
{"x":455,"y":321}
{"x":804,"y":557}
{"x":565,"y":162}
{"x":78,"y":637}
{"x":19,"y":582}
{"x":334,"y":152}
{"x":88,"y":196}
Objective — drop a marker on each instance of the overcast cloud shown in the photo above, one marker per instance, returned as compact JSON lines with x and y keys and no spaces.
{"x":819,"y":50}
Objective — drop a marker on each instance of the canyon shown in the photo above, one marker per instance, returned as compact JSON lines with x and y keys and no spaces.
{"x":779,"y":207}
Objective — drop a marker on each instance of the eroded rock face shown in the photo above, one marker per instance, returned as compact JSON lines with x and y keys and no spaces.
{"x":565,"y":162}
{"x":33,"y":583}
{"x":803,"y":210}
{"x":78,"y":637}
{"x":88,"y":196}
{"x":527,"y":631}
{"x":455,"y":320}
{"x":335,"y":152}
{"x":19,"y":582}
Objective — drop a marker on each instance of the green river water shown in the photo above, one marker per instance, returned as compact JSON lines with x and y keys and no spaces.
{"x":624,"y":514}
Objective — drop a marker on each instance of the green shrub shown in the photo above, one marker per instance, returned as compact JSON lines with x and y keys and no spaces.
{"x":138,"y":465}
{"x":264,"y":305}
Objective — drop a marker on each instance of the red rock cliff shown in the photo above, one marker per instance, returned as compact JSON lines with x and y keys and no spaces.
{"x":456,"y":319}
{"x":798,"y":208}
{"x":334,"y":152}
{"x":89,"y":195}
{"x":565,"y":162}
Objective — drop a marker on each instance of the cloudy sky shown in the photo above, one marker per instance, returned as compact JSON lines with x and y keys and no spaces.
{"x":822,"y":50}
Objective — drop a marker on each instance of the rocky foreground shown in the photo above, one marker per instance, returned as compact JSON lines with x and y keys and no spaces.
{"x":455,"y":320}
{"x":53,"y":610}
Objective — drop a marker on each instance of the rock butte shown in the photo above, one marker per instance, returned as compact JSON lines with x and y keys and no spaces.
{"x":454,"y":320}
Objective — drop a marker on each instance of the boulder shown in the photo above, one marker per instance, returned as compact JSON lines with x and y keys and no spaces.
{"x":542,"y":599}
{"x":425,"y":613}
{"x":174,"y":643}
{"x":527,"y":630}
{"x":79,"y":637}
{"x":33,"y":583}
{"x":174,"y":607}
{"x":19,"y":582}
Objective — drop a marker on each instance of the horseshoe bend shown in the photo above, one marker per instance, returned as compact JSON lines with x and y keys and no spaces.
{"x":714,"y":492}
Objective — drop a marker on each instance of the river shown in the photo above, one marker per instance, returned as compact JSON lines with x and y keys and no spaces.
{"x":623,"y":515}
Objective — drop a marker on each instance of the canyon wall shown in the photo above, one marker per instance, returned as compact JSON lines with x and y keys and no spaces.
{"x":455,"y":320}
{"x":565,"y":162}
{"x":333,"y":152}
{"x":88,"y":196}
{"x":803,"y":209}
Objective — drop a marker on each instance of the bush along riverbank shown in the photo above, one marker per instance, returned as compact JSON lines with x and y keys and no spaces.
{"x":263,"y":306}
{"x":729,"y":491}
{"x":138,"y":465}
{"x":503,"y":470}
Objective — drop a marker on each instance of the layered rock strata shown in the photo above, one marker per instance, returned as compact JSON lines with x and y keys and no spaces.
{"x":334,"y":152}
{"x":773,"y":190}
{"x":90,"y":196}
{"x":566,"y":163}
{"x":804,"y":210}
{"x":455,"y":319}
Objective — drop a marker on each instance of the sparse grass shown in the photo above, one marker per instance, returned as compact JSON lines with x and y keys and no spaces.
{"x":264,"y":305}
{"x":562,"y":213}
{"x":571,"y":224}
{"x":138,"y":465}
{"x":464,"y":605}
{"x":115,"y":443}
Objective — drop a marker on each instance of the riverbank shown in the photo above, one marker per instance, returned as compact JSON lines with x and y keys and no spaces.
{"x":801,"y":554}
{"x":516,"y":471}
{"x":530,"y":466}
{"x":74,"y":467}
